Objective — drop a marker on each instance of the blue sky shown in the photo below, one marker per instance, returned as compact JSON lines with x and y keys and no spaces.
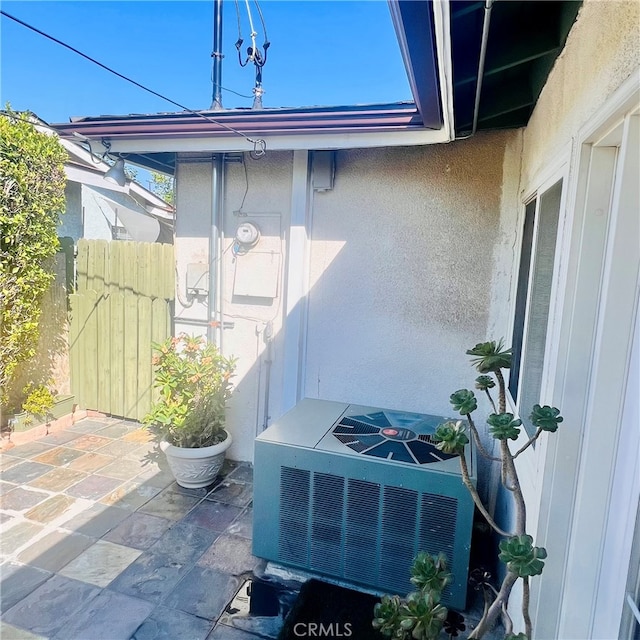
{"x":330,"y":52}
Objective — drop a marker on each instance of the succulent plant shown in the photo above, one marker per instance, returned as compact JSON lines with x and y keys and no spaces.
{"x":451,"y":437}
{"x":430,"y":572}
{"x":518,"y":636}
{"x":484,"y":383}
{"x":503,"y":426}
{"x":386,"y":617}
{"x":422,"y":615}
{"x":463,"y":401}
{"x":521,"y":557}
{"x":490,"y":356}
{"x":546,"y":418}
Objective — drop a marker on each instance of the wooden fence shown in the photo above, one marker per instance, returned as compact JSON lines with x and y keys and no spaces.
{"x":123,"y":303}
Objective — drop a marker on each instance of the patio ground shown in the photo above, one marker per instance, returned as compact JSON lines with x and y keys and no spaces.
{"x":98,"y":541}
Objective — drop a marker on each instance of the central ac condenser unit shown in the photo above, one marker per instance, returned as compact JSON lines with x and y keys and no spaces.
{"x":356,"y":492}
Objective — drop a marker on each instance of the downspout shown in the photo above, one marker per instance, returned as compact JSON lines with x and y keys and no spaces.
{"x":214,"y":327}
{"x":488,"y":5}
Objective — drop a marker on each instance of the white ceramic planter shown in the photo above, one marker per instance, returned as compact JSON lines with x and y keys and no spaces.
{"x":195,"y":468}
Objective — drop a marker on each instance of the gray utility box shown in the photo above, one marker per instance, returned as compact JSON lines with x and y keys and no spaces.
{"x":356,"y":492}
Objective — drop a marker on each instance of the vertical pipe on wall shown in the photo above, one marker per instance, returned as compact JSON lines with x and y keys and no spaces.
{"x":214,"y":328}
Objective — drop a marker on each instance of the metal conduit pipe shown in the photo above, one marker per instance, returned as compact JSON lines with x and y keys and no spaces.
{"x":481,"y":64}
{"x":214,"y":330}
{"x":483,"y":54}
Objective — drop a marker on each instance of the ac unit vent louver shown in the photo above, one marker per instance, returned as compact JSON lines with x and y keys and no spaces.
{"x":321,"y":503}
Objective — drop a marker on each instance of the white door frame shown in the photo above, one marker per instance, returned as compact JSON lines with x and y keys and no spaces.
{"x":597,"y":309}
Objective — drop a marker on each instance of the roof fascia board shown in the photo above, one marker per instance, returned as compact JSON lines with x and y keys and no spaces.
{"x":288,"y":142}
{"x":414,"y":22}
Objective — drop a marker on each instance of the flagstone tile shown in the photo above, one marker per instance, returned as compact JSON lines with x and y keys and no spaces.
{"x":17,"y":536}
{"x":131,"y":495}
{"x":209,"y":603}
{"x":6,"y":461}
{"x":170,"y":624}
{"x":17,"y":581}
{"x":60,"y":437}
{"x":96,"y":520}
{"x":141,"y":435}
{"x":119,"y":449}
{"x":242,"y":525}
{"x":9,"y":632}
{"x":90,"y":442}
{"x":59,"y":456}
{"x":110,"y":615}
{"x":117,"y":430}
{"x":231,"y":555}
{"x":139,"y":530}
{"x":50,"y":509}
{"x":58,"y":479}
{"x":238,"y":494}
{"x":20,"y":499}
{"x":30,"y":449}
{"x":55,"y":550}
{"x":93,"y":487}
{"x":185,"y":543}
{"x":25,"y":472}
{"x":100,"y":563}
{"x":122,"y":469}
{"x":90,"y":462}
{"x":242,"y":473}
{"x":90,"y":425}
{"x":47,"y":608}
{"x":212,"y":515}
{"x":223,"y":632}
{"x":169,"y":505}
{"x":150,"y":577}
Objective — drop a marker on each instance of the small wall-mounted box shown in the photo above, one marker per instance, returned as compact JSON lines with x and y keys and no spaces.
{"x":324,"y":170}
{"x":197,"y":279}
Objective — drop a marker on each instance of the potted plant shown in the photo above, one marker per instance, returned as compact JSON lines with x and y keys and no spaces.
{"x":193,"y":380}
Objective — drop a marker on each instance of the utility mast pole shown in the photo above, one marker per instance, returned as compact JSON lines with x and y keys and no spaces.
{"x":216,"y":104}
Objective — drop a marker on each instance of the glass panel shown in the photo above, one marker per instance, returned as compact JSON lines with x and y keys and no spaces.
{"x":539,"y":300}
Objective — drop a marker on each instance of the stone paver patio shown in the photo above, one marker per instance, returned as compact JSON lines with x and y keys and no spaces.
{"x":97,"y":542}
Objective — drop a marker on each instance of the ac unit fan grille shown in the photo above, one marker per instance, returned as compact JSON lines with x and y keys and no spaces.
{"x":361,"y":530}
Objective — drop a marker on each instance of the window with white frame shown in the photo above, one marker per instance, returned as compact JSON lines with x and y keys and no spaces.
{"x":535,"y":277}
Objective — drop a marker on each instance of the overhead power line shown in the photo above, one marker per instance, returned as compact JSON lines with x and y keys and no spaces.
{"x":259,"y":145}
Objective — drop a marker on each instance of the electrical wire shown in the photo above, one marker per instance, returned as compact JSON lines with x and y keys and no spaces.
{"x":259,"y":145}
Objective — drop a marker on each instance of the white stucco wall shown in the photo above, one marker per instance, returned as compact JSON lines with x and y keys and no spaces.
{"x":401,"y":270}
{"x":266,"y":204}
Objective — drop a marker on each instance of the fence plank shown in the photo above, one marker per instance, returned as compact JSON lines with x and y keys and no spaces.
{"x":101,"y":249}
{"x":117,"y":353}
{"x":130,"y":355}
{"x":75,"y":337}
{"x":82,"y":265}
{"x":160,"y":329}
{"x":145,"y":369}
{"x":129,"y":271}
{"x":103,"y":355}
{"x":169,"y":272}
{"x":89,"y":345}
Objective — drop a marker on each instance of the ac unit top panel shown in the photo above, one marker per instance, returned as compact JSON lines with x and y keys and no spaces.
{"x":379,"y":435}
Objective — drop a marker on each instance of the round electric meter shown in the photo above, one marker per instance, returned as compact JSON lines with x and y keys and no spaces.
{"x":247,"y":234}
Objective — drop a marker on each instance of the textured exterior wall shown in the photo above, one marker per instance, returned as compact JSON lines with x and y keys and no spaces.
{"x":71,"y":220}
{"x":401,"y":272}
{"x":602,"y":50}
{"x":267,"y":202}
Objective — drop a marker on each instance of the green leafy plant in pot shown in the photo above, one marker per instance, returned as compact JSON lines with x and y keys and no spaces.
{"x":193,"y":380}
